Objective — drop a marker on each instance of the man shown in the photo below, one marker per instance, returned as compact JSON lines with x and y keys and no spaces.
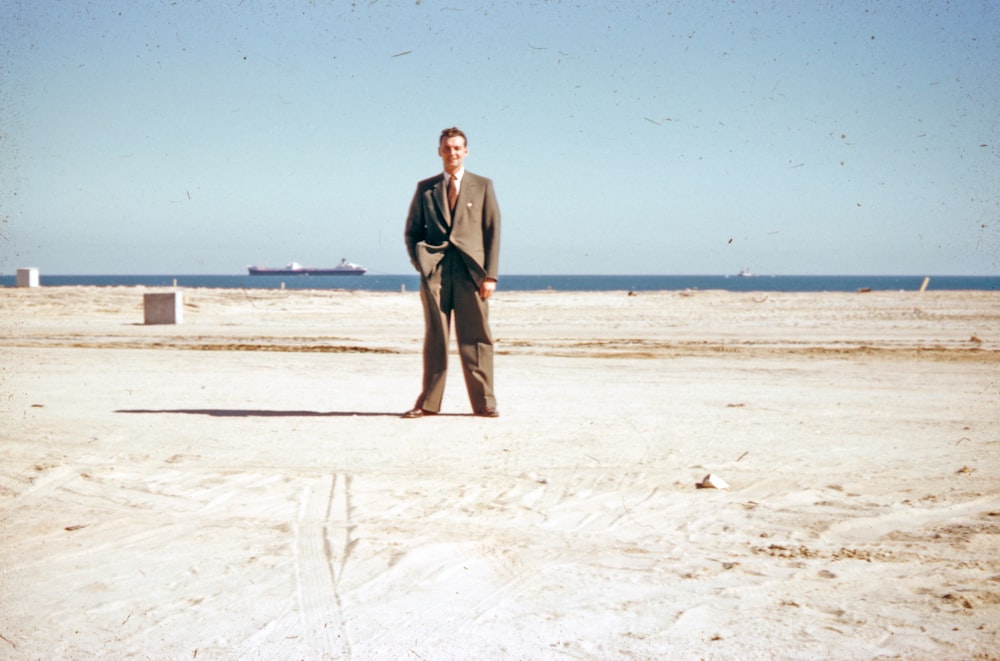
{"x":453,"y":239}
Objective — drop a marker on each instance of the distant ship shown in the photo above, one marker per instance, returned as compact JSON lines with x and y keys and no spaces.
{"x":344,"y":268}
{"x":746,"y":273}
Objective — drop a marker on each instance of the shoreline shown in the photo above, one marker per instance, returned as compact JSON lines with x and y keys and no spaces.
{"x":552,"y":282}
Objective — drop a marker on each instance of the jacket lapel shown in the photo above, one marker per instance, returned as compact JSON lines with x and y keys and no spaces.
{"x":441,"y":199}
{"x":467,"y":190}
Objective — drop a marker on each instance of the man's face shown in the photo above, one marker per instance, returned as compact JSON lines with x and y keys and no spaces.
{"x":453,"y":152}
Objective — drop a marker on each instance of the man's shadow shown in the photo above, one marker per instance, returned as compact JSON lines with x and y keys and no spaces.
{"x":267,"y":413}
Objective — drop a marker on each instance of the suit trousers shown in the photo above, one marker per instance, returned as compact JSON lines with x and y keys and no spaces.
{"x":451,"y":291}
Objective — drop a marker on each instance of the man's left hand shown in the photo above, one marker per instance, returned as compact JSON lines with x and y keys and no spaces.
{"x":487,"y":288}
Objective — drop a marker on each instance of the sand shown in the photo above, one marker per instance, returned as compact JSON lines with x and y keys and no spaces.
{"x":240,"y":486}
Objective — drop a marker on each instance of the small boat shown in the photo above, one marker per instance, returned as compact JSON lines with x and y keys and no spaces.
{"x":294,"y":268}
{"x":745,"y":273}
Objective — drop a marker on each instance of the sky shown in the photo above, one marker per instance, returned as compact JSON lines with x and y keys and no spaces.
{"x":677,"y":137}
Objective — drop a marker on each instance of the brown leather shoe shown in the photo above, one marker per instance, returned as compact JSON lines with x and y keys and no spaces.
{"x":488,"y":412}
{"x":417,"y":413}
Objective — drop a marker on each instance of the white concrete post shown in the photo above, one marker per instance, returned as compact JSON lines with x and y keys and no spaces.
{"x":163,"y":308}
{"x":27,"y":277}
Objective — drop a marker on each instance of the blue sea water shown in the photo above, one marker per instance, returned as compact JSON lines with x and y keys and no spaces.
{"x":575,"y":283}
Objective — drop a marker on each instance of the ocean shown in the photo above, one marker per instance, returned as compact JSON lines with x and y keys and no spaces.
{"x":575,"y":283}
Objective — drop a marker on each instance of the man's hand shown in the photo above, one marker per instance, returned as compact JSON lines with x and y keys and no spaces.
{"x":487,"y":288}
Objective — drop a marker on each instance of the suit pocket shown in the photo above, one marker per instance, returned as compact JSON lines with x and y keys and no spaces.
{"x":430,"y":256}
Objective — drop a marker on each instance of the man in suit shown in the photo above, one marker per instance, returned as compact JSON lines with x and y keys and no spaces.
{"x":453,"y":239}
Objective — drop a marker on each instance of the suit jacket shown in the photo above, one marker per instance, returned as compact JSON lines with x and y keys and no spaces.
{"x":474,"y":231}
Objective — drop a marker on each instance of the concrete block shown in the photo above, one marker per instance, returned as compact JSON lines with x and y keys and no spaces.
{"x":163,"y":308}
{"x":27,"y":277}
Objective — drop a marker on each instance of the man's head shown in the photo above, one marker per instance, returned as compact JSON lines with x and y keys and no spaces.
{"x":452,"y":148}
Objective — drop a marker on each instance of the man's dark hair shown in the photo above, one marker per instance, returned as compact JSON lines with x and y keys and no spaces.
{"x":451,"y":133}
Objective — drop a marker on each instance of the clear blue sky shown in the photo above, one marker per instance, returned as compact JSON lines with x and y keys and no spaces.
{"x":669,"y":137}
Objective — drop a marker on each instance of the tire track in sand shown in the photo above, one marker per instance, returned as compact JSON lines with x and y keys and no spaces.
{"x":322,"y":545}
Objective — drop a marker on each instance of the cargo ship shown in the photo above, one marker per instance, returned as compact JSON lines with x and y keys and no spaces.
{"x":344,"y":268}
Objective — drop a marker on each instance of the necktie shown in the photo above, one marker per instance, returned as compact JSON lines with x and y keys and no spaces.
{"x":452,"y":192}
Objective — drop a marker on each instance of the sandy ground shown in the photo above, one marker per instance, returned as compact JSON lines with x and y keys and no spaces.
{"x":240,"y":486}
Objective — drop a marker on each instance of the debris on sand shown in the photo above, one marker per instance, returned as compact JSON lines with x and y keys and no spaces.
{"x":712,"y":482}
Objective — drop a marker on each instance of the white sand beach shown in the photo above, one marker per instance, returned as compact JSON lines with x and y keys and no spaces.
{"x":240,"y":486}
